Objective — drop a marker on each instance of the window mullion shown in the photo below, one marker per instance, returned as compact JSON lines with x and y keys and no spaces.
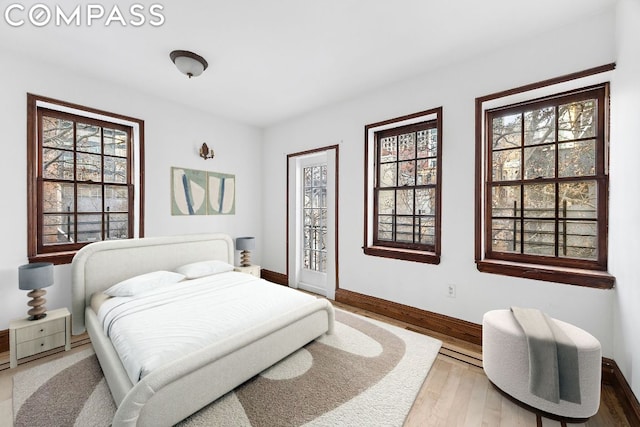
{"x":523,"y":181}
{"x":75,"y":182}
{"x":394,"y":211}
{"x":415,"y":184}
{"x":103,"y":217}
{"x":557,"y":190}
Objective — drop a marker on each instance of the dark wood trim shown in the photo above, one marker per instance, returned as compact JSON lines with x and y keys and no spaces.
{"x":336,"y":178}
{"x":32,"y":174}
{"x":410,"y":252}
{"x":403,"y":254}
{"x":33,"y":253}
{"x":569,"y":276}
{"x":272,"y":276}
{"x":549,"y":82}
{"x":612,"y":375}
{"x":538,"y":273}
{"x":56,"y":257}
{"x":141,"y":175}
{"x":457,"y":328}
{"x":4,"y":340}
{"x":83,"y":108}
{"x":478,"y":184}
{"x":365,"y":232}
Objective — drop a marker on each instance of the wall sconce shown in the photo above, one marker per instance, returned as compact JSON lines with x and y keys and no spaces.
{"x":189,"y":63}
{"x":206,"y":152}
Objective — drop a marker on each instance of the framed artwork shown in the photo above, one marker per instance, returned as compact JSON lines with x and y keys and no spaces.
{"x":221,"y":194}
{"x":195,"y":192}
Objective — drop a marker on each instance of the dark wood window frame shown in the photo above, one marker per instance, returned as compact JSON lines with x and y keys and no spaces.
{"x":37,"y":106}
{"x":373,"y":245}
{"x":574,"y":272}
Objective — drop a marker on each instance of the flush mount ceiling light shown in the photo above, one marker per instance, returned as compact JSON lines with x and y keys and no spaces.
{"x":188,"y":63}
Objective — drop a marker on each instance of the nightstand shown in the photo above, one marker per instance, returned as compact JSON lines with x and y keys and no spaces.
{"x":29,"y":337}
{"x":254,"y":270}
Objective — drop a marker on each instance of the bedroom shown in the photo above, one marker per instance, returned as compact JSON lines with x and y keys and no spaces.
{"x":256,"y":154}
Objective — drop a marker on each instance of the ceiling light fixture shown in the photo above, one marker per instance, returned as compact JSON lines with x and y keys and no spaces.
{"x":188,"y":63}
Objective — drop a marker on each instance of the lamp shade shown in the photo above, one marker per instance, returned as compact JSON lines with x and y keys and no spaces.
{"x":245,"y":243}
{"x":35,"y":276}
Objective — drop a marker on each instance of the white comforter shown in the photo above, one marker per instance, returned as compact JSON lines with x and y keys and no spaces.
{"x":161,"y":326}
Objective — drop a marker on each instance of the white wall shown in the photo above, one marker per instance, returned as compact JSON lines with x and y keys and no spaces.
{"x":624,"y":228}
{"x":454,"y":87}
{"x":173,"y":135}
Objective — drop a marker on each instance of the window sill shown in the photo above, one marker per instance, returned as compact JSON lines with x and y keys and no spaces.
{"x":56,"y":258}
{"x":403,"y":254}
{"x":570,"y":276}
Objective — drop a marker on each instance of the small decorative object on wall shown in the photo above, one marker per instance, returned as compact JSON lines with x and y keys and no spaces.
{"x":206,"y":152}
{"x":195,"y":192}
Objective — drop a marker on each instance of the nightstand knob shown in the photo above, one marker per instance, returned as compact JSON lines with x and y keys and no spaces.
{"x":41,"y":330}
{"x":42,"y":345}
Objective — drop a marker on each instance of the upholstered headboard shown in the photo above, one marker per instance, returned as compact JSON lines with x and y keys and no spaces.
{"x":99,"y":265}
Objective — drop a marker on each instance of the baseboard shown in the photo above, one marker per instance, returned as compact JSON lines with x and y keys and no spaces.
{"x":461,"y":329}
{"x":611,"y":374}
{"x":272,"y":276}
{"x":4,"y":340}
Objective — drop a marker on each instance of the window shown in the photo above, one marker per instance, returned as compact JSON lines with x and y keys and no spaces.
{"x":314,"y":214}
{"x":545,"y":188}
{"x":403,"y":182}
{"x":82,"y":186}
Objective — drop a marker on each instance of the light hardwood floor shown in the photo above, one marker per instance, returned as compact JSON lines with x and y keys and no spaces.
{"x":458,"y":393}
{"x":455,"y":393}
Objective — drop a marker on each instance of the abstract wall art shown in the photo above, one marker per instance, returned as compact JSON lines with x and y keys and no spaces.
{"x":195,"y":192}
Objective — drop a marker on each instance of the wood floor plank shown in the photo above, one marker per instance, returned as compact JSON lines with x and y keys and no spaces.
{"x":444,"y":404}
{"x":429,"y":394}
{"x":475,"y":409}
{"x":492,"y":407}
{"x":461,"y":399}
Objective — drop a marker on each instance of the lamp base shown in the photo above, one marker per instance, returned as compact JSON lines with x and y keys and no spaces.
{"x":245,"y":258}
{"x":38,"y":317}
{"x":38,"y":310}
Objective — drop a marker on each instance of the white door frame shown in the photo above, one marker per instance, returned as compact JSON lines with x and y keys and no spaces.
{"x":295,"y":162}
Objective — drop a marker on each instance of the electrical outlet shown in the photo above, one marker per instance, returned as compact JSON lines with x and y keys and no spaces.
{"x":451,"y":290}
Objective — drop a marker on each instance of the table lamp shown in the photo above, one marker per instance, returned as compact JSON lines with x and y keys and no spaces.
{"x":245,"y":244}
{"x":34,"y":277}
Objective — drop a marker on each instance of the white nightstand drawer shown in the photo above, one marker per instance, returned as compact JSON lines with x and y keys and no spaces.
{"x":29,"y":348}
{"x":254,"y":270}
{"x":40,"y":330}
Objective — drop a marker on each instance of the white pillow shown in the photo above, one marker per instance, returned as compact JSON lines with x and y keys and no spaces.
{"x":204,"y":268}
{"x":143,"y":283}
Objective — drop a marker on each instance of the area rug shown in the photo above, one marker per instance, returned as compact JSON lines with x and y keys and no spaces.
{"x":366,"y":374}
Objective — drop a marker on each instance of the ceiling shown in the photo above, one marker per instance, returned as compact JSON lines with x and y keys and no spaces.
{"x":270,"y":60}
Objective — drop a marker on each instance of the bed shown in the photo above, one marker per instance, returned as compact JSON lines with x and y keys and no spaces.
{"x":186,"y":384}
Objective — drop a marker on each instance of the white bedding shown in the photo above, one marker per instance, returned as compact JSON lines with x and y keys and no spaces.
{"x":161,"y":326}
